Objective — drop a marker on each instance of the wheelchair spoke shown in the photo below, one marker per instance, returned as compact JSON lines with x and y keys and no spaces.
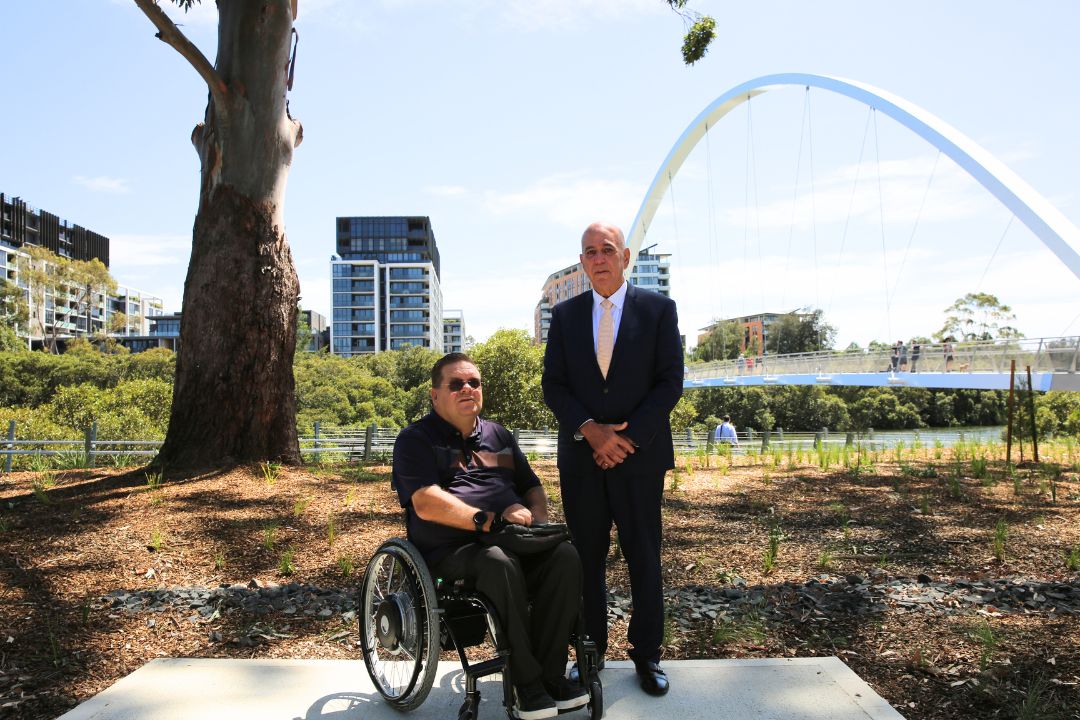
{"x":390,"y":576}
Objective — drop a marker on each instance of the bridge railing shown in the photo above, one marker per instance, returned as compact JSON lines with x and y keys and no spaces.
{"x":1047,"y":355}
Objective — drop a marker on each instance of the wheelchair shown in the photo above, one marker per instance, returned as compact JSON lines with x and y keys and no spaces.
{"x":406,"y":619}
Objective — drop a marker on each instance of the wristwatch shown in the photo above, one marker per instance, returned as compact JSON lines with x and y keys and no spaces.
{"x":479,"y":519}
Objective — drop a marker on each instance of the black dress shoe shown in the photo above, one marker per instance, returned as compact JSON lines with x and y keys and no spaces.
{"x":574,"y":675}
{"x":653,"y":680}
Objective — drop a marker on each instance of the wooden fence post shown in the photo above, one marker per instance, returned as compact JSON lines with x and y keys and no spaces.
{"x":1009,"y":429}
{"x":1031,"y":408}
{"x":765,"y":440}
{"x":10,"y":446}
{"x":369,"y":440}
{"x":91,"y":441}
{"x":317,"y":427}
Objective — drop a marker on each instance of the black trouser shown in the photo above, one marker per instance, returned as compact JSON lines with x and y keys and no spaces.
{"x":538,"y":639}
{"x":592,"y":501}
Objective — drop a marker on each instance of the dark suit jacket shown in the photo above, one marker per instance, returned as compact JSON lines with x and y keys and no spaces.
{"x":644,"y":379}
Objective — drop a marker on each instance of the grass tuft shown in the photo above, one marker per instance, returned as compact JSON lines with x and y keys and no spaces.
{"x":1001,"y":534}
{"x":287,"y":561}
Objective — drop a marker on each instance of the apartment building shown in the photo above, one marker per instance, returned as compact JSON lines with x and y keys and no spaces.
{"x":386,"y":285}
{"x":453,"y":331}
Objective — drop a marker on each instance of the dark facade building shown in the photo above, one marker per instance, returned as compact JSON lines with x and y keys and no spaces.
{"x":21,"y":224}
{"x":386,"y":285}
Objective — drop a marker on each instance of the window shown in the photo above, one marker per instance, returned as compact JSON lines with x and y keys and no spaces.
{"x":400,"y":315}
{"x":415,"y":273}
{"x":408,"y":287}
{"x":409,"y":330}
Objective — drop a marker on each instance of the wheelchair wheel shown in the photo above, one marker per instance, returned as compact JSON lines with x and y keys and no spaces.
{"x":399,"y":624}
{"x":596,"y":700}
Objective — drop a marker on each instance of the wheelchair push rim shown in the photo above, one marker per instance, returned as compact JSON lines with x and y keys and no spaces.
{"x":399,"y":625}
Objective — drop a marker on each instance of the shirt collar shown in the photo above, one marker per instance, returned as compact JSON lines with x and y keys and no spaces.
{"x":617,"y":298}
{"x":449,"y":430}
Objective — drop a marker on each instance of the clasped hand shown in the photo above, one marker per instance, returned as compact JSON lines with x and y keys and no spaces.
{"x":518,"y":514}
{"x":609,"y":447}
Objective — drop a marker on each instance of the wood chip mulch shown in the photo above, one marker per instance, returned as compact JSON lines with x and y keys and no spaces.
{"x":69,"y":538}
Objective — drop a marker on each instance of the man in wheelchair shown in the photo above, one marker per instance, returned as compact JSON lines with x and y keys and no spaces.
{"x":461,"y":479}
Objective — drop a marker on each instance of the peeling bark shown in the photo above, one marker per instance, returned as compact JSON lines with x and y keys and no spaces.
{"x":234,"y":399}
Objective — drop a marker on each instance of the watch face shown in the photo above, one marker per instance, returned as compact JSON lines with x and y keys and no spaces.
{"x":479,"y":519}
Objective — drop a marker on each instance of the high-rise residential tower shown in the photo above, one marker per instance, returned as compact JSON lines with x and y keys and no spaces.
{"x":386,"y":291}
{"x":454,"y":331}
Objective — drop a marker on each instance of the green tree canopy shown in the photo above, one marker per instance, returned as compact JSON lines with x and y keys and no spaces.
{"x":723,"y":342}
{"x":800,"y":333}
{"x":700,"y":32}
{"x":76,"y":281}
{"x":511,"y":365}
{"x":14,"y":315}
{"x":978,"y":316}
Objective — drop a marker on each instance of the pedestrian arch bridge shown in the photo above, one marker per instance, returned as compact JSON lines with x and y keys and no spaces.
{"x":975,"y":366}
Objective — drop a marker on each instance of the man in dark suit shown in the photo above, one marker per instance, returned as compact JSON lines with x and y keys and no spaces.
{"x":613,"y":371}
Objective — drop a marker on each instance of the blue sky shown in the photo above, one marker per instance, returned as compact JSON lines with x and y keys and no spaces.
{"x":515,"y":123}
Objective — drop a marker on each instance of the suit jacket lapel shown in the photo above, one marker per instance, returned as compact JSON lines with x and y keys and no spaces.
{"x":584,"y":333}
{"x":627,"y":328}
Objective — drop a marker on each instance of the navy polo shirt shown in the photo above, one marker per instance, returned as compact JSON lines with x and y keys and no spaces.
{"x":485,"y":469}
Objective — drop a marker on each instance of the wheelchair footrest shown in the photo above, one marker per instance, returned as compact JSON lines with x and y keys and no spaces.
{"x":487,"y":667}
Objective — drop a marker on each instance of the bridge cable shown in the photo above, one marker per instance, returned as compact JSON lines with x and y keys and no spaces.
{"x":674,"y":219}
{"x":881,"y":218}
{"x":978,"y":288}
{"x":915,"y":227}
{"x":751,"y":172}
{"x":795,"y":197}
{"x":813,"y":194}
{"x":1065,"y":332}
{"x":851,"y":202}
{"x":712,"y":235}
{"x":757,"y":229}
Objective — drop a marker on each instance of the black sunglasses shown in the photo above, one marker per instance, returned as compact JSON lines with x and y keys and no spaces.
{"x":457,"y":384}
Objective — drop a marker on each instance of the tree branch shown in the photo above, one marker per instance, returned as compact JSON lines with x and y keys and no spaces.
{"x":171,"y":35}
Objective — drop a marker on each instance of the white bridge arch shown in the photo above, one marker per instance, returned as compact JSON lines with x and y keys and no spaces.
{"x":1034,"y":210}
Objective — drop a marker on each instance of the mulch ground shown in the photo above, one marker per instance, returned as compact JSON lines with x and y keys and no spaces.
{"x":69,"y":538}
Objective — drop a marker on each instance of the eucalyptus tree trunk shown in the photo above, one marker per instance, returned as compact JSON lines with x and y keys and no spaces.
{"x":233,"y":397}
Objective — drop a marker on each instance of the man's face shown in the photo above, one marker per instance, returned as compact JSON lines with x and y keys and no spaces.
{"x":604,"y":258}
{"x":458,"y":406}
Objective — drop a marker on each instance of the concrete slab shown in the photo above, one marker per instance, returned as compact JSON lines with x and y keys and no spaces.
{"x":821,"y":688}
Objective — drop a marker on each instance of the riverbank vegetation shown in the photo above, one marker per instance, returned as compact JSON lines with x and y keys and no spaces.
{"x":128,"y":396}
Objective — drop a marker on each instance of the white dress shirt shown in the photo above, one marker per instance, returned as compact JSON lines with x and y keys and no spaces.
{"x":618,"y":299}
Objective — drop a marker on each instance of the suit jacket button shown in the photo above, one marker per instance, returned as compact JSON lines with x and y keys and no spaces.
{"x":605,"y":391}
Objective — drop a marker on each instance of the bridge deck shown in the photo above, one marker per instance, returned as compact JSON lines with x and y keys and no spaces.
{"x":974,"y":366}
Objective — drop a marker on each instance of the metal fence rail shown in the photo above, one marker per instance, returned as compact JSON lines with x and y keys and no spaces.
{"x":375,"y":443}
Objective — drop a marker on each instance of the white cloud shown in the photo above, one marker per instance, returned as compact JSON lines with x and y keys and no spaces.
{"x":537,"y":14}
{"x":517,"y":293}
{"x":142,"y":251}
{"x":953,"y":195}
{"x":315,"y":292}
{"x":445,"y":190}
{"x":571,"y":200}
{"x":103,"y":183}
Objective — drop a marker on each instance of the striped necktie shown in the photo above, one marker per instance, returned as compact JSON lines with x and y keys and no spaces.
{"x":605,"y":341}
